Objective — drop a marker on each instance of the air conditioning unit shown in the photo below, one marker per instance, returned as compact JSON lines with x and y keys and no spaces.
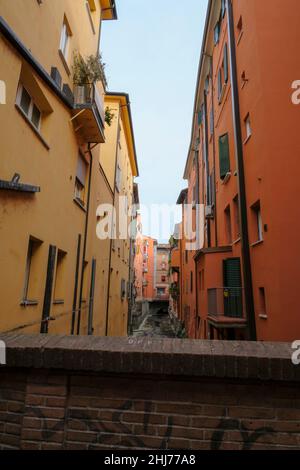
{"x":209,"y":212}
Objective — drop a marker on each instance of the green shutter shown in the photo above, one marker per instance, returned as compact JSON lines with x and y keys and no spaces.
{"x":233,"y":300}
{"x":200,"y":116}
{"x":224,"y":155}
{"x":225,"y":63}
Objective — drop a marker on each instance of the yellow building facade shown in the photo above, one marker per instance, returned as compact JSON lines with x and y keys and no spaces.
{"x":54,"y":271}
{"x":120,"y":143}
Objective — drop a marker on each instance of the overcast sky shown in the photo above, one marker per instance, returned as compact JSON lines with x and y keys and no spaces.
{"x":152,"y":52}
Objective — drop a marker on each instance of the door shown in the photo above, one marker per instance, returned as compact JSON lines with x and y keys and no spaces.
{"x":233,"y":299}
{"x":48,"y":289}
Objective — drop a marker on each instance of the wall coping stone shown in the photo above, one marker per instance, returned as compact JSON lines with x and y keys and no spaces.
{"x":153,"y":356}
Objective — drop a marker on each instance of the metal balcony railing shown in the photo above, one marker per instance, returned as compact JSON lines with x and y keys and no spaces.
{"x":226,"y":301}
{"x":88,"y":97}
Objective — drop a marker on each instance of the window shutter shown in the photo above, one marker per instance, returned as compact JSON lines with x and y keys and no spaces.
{"x":200,"y":116}
{"x":233,"y":302}
{"x":81,"y":170}
{"x":224,"y":155}
{"x":226,"y":63}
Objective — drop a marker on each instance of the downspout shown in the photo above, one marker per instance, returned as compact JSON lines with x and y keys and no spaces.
{"x":85,"y":238}
{"x":214,"y":152}
{"x":207,"y":164}
{"x":112,"y":227}
{"x":246,"y":259}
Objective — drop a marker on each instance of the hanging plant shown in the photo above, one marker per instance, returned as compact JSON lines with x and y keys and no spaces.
{"x":109,"y":115}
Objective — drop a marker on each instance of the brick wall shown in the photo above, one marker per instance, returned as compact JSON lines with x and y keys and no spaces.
{"x":97,"y":393}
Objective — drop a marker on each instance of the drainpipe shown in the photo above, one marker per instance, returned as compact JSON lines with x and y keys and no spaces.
{"x":112,"y":228}
{"x":246,"y":259}
{"x":214,"y":150}
{"x":85,"y":239}
{"x":207,"y":163}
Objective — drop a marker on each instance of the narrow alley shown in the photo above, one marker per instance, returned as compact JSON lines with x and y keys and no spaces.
{"x":157,"y":322}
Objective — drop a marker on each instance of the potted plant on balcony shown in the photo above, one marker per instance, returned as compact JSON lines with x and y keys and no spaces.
{"x":86,"y":72}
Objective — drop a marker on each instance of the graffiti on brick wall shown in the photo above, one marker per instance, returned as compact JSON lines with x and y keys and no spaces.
{"x":106,"y":430}
{"x":249,"y":437}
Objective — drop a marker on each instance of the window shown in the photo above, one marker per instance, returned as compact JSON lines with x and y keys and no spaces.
{"x":237,"y":225}
{"x":59,"y":286}
{"x":224,"y":155}
{"x":240,"y":28}
{"x":194,"y":194}
{"x":65,"y":39}
{"x":258,"y":221}
{"x":217,"y":33}
{"x":262,"y":302}
{"x":161,"y":291}
{"x":225,"y":63}
{"x":123,"y":289}
{"x":211,"y":122}
{"x":248,"y":130}
{"x":211,"y":190}
{"x":200,"y":116}
{"x":228,"y":228}
{"x":223,"y":74}
{"x":163,"y":278}
{"x":80,"y":181}
{"x":89,"y":12}
{"x":28,"y":107}
{"x":223,"y":8}
{"x":32,"y":274}
{"x":220,"y":84}
{"x":118,"y":178}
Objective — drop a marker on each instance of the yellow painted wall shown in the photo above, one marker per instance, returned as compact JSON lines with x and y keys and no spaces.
{"x":51,"y":216}
{"x":118,"y":139}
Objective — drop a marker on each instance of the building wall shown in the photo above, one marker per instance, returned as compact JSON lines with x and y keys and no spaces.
{"x":162,"y":272}
{"x":264,"y":27}
{"x":138,"y":262}
{"x":149,"y":260}
{"x":50,"y":161}
{"x":119,"y":288}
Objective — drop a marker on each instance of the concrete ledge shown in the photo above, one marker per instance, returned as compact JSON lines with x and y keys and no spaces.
{"x":167,"y":357}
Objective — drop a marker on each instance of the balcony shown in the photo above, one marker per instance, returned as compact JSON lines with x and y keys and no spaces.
{"x":226,"y":307}
{"x":88,"y":114}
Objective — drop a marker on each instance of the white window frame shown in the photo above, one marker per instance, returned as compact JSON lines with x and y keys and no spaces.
{"x":31,"y":106}
{"x":64,"y":40}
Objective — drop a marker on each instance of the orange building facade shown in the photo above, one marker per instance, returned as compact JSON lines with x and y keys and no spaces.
{"x":243,"y":167}
{"x":149,"y":254}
